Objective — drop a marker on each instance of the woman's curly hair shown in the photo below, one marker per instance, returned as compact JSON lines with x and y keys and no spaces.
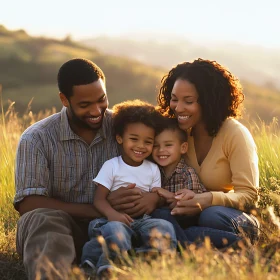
{"x":135,"y":111}
{"x":219,"y":92}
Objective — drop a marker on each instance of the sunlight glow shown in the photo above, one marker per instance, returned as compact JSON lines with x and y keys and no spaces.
{"x":246,"y":22}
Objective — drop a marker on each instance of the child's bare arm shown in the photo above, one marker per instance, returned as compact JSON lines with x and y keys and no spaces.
{"x":103,"y":206}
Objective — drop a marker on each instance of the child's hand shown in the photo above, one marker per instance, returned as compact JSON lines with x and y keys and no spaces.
{"x":184,"y":194}
{"x":120,"y":217}
{"x":163,"y":193}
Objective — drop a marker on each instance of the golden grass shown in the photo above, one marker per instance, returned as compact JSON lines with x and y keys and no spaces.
{"x":260,"y":261}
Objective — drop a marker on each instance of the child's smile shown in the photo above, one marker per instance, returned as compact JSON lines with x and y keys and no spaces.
{"x":137,"y":143}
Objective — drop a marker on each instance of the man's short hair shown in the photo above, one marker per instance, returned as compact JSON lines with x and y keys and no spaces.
{"x":76,"y":72}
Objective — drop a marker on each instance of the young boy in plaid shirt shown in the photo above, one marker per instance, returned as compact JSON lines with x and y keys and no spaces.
{"x":177,"y":178}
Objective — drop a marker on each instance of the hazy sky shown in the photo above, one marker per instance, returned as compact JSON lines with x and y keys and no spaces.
{"x":245,"y":21}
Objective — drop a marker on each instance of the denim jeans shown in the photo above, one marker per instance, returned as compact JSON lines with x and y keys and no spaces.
{"x":178,"y":222}
{"x":124,"y":238}
{"x":223,"y":225}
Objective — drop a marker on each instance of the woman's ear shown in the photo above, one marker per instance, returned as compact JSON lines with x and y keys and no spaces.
{"x":184,"y":147}
{"x":119,"y":139}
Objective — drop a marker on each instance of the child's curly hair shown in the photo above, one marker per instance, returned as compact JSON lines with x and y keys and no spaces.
{"x":135,"y":111}
{"x":219,"y":92}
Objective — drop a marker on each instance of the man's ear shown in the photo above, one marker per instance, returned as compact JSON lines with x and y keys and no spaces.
{"x":119,"y":139}
{"x":64,"y":99}
{"x":184,"y":147}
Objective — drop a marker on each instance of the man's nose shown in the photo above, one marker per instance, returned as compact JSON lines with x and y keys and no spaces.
{"x":95,"y":110}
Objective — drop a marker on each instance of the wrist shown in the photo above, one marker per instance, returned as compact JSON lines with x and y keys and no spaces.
{"x":160,"y":200}
{"x":91,"y":211}
{"x":207,"y":199}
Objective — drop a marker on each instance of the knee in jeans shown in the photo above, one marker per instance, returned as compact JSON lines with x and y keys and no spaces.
{"x":214,"y":217}
{"x":163,"y":230}
{"x":117,"y":233}
{"x":164,"y":227}
{"x":114,"y":228}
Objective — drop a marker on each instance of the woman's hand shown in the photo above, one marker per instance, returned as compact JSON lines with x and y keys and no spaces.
{"x":192,"y":206}
{"x":180,"y":194}
{"x":184,"y":194}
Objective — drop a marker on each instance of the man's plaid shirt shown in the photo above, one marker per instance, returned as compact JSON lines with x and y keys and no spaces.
{"x":183,"y":177}
{"x":53,"y":161}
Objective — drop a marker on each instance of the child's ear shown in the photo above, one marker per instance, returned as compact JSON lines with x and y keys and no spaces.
{"x":184,"y":147}
{"x":119,"y":139}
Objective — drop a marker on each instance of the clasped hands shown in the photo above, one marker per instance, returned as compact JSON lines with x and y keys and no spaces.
{"x":179,"y":202}
{"x":134,"y":202}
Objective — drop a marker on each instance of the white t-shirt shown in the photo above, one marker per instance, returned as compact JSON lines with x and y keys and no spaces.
{"x":115,"y":173}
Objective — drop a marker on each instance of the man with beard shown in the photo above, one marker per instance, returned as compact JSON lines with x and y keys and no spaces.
{"x":57,"y":158}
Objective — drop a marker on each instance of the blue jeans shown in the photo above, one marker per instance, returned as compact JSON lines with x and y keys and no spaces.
{"x":123,"y":236}
{"x":176,"y":221}
{"x":219,"y":223}
{"x":222,"y":224}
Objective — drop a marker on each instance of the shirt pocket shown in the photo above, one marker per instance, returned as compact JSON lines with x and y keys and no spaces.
{"x":68,"y":172}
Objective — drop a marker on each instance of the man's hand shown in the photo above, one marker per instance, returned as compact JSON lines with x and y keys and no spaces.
{"x":144,"y":205}
{"x":124,"y":198}
{"x":121,"y":217}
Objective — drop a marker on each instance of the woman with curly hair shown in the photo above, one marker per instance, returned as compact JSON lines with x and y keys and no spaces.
{"x":205,"y":98}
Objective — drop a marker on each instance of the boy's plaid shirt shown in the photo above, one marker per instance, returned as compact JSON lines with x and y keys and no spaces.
{"x":183,"y":177}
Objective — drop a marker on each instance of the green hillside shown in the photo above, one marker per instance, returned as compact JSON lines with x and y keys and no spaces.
{"x":28,"y":69}
{"x":29,"y":65}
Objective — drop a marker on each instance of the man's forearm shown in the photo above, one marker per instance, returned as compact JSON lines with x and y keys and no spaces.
{"x":80,"y":210}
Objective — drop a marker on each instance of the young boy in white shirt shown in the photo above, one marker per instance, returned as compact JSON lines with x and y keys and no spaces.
{"x":135,"y":125}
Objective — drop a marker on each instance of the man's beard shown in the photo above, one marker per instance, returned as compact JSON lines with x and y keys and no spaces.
{"x":80,"y":123}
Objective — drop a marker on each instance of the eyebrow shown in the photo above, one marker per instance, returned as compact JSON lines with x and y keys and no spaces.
{"x":89,"y":102}
{"x":189,"y":96}
{"x":137,"y":135}
{"x":167,"y":141}
{"x":84,"y":102}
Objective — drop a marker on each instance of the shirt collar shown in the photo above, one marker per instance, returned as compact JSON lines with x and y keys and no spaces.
{"x":66,"y":133}
{"x":179,"y":168}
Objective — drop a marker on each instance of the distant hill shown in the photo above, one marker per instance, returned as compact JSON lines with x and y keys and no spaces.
{"x":29,"y":65}
{"x":252,"y":63}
